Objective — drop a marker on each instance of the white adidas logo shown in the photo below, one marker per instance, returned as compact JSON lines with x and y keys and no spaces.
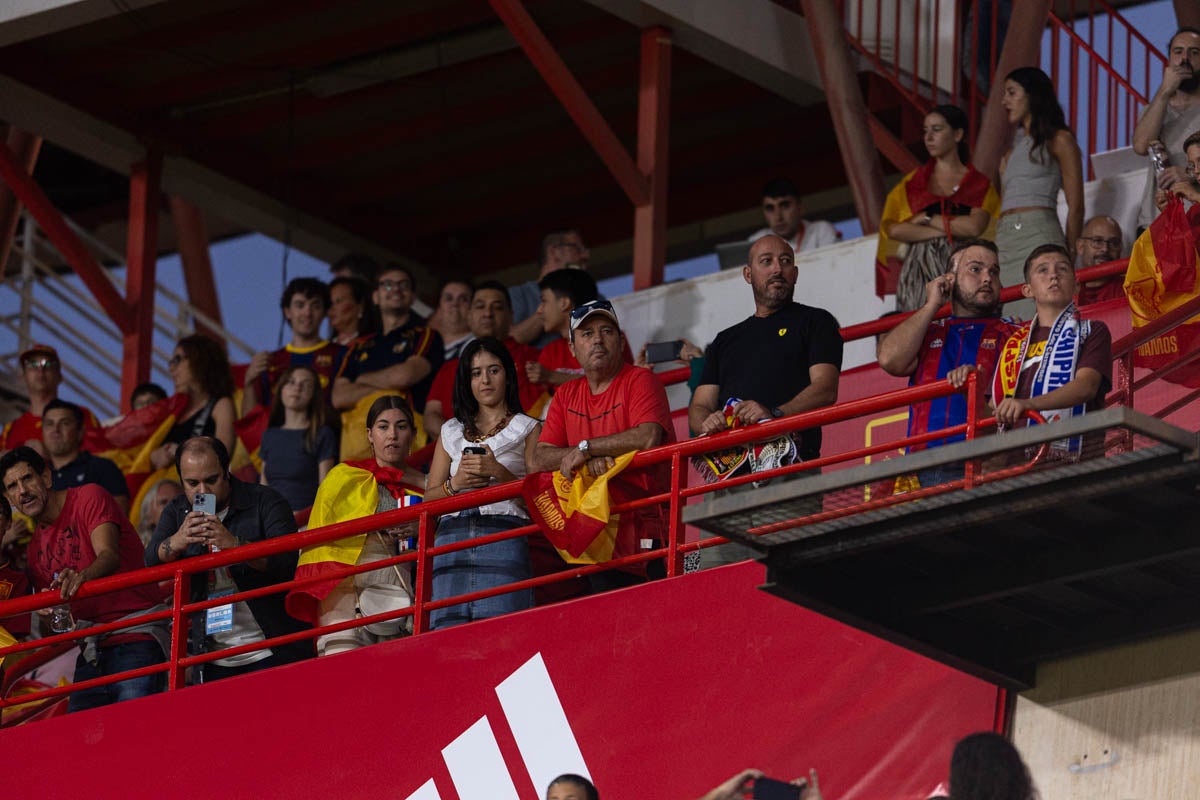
{"x":543,"y":735}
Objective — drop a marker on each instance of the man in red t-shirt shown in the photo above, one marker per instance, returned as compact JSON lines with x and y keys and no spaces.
{"x":81,"y":535}
{"x":41,"y":372}
{"x":613,"y":409}
{"x":490,"y":314}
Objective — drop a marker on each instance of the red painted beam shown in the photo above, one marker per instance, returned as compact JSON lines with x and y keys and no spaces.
{"x":573,"y":98}
{"x":1022,"y":45}
{"x":191,"y":235}
{"x":891,"y":147}
{"x":141,"y":258}
{"x":654,"y":101}
{"x":847,"y":109}
{"x":13,"y":173}
{"x":25,"y":146}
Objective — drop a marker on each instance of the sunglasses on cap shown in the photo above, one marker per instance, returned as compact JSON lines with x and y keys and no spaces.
{"x":579,"y":312}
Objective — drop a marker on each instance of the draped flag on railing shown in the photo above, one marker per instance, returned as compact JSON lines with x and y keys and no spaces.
{"x":1162,"y":276}
{"x":574,"y":513}
{"x":6,"y":640}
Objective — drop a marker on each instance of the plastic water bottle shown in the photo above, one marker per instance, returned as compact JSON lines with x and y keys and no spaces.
{"x":61,"y":619}
{"x":1159,"y":157}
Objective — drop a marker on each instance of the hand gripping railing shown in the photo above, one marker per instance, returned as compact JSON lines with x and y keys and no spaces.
{"x":178,"y":573}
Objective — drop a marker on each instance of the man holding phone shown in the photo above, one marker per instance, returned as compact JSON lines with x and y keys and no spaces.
{"x":217,"y":512}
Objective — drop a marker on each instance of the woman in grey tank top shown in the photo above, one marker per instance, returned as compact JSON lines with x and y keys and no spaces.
{"x":1044,"y":158}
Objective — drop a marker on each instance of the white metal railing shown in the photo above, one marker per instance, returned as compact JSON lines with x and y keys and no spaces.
{"x":43,"y":305}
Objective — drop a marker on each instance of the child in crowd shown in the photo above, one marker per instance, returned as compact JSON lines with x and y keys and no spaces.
{"x":298,"y":448}
{"x":563,"y":291}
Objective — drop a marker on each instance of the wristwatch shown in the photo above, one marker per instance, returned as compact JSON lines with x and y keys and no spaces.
{"x":777,"y":412}
{"x":582,"y":447}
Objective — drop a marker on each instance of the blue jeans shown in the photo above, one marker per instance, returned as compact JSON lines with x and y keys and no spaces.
{"x":479,"y":568}
{"x":110,"y":661}
{"x":935,"y":476}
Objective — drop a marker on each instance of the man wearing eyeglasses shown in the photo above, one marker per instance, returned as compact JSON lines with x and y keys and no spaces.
{"x":1100,"y":242}
{"x":559,"y":250}
{"x":41,"y":371}
{"x":402,"y":359}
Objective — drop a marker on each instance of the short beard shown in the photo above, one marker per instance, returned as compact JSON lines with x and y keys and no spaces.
{"x":970,"y":305}
{"x":766,"y":301}
{"x":1189,"y":85}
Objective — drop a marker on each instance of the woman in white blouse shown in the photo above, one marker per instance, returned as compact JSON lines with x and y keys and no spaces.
{"x":484,"y":444}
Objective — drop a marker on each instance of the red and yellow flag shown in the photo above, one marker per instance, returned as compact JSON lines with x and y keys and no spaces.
{"x":1163,"y":274}
{"x":574,"y":514}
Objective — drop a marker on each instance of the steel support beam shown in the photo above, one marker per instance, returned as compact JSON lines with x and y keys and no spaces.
{"x":1022,"y":47}
{"x":191,"y":236}
{"x":13,"y":173}
{"x":141,"y":259}
{"x":654,"y":99}
{"x":1187,"y":13}
{"x":574,"y":99}
{"x":25,"y":146}
{"x":848,"y":110}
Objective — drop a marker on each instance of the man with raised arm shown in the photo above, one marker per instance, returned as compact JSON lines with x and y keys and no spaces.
{"x":80,"y":535}
{"x":244,"y":513}
{"x":928,"y":349}
{"x":1173,"y":113}
{"x":612,"y":409}
{"x":784,"y":359}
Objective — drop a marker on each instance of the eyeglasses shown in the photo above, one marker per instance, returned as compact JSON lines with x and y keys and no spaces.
{"x":579,"y":312}
{"x":1190,"y":170}
{"x":1099,"y":242}
{"x":39,"y":363}
{"x":175,"y":359}
{"x":395,"y":286}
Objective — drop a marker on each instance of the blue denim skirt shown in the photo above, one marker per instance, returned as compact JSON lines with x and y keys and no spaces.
{"x":479,"y":568}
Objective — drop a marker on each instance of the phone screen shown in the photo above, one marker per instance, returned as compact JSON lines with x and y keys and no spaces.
{"x":771,"y":789}
{"x":475,"y":451}
{"x":205,"y":502}
{"x":658,"y":352}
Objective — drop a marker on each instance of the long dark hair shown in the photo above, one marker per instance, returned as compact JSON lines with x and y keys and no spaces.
{"x":465,"y":404}
{"x":208,"y":364}
{"x":1045,"y":113}
{"x":985,"y":766}
{"x":315,"y":410}
{"x":956,"y":118}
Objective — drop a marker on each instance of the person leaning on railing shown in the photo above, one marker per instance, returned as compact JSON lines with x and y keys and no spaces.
{"x":245,"y":512}
{"x":487,"y":418}
{"x":355,"y":489}
{"x":80,"y":534}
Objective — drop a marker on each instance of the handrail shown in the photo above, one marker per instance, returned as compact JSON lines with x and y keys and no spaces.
{"x":178,"y":572}
{"x":865,"y":330}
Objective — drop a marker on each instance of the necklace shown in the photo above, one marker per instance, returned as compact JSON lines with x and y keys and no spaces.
{"x":472,"y":433}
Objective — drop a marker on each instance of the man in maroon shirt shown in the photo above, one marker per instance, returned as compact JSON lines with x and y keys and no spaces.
{"x":81,"y":535}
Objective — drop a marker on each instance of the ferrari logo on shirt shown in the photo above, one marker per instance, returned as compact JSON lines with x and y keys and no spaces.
{"x":782,"y":331}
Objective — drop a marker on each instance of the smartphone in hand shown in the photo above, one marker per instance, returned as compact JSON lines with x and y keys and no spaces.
{"x":771,"y":789}
{"x":658,"y":352}
{"x":206,"y":502}
{"x":474,"y":450}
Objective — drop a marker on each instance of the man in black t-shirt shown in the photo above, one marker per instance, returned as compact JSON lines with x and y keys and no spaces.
{"x":783,"y":360}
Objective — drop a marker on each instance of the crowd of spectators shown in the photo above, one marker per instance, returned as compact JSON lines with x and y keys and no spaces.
{"x":383,"y":408}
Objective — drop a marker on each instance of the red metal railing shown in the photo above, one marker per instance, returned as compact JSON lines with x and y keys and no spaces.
{"x":425,"y":515}
{"x":1104,"y":68}
{"x":677,"y":494}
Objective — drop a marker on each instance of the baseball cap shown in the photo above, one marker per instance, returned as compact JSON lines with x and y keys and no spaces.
{"x":580,"y":313}
{"x":44,"y":350}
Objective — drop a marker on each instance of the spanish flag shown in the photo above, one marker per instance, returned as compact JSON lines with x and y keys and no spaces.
{"x":349,"y":491}
{"x":6,"y":640}
{"x":911,"y":195}
{"x":1163,"y":274}
{"x":574,"y":513}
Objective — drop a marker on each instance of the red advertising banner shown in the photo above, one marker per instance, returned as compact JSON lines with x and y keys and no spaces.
{"x":661,"y":691}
